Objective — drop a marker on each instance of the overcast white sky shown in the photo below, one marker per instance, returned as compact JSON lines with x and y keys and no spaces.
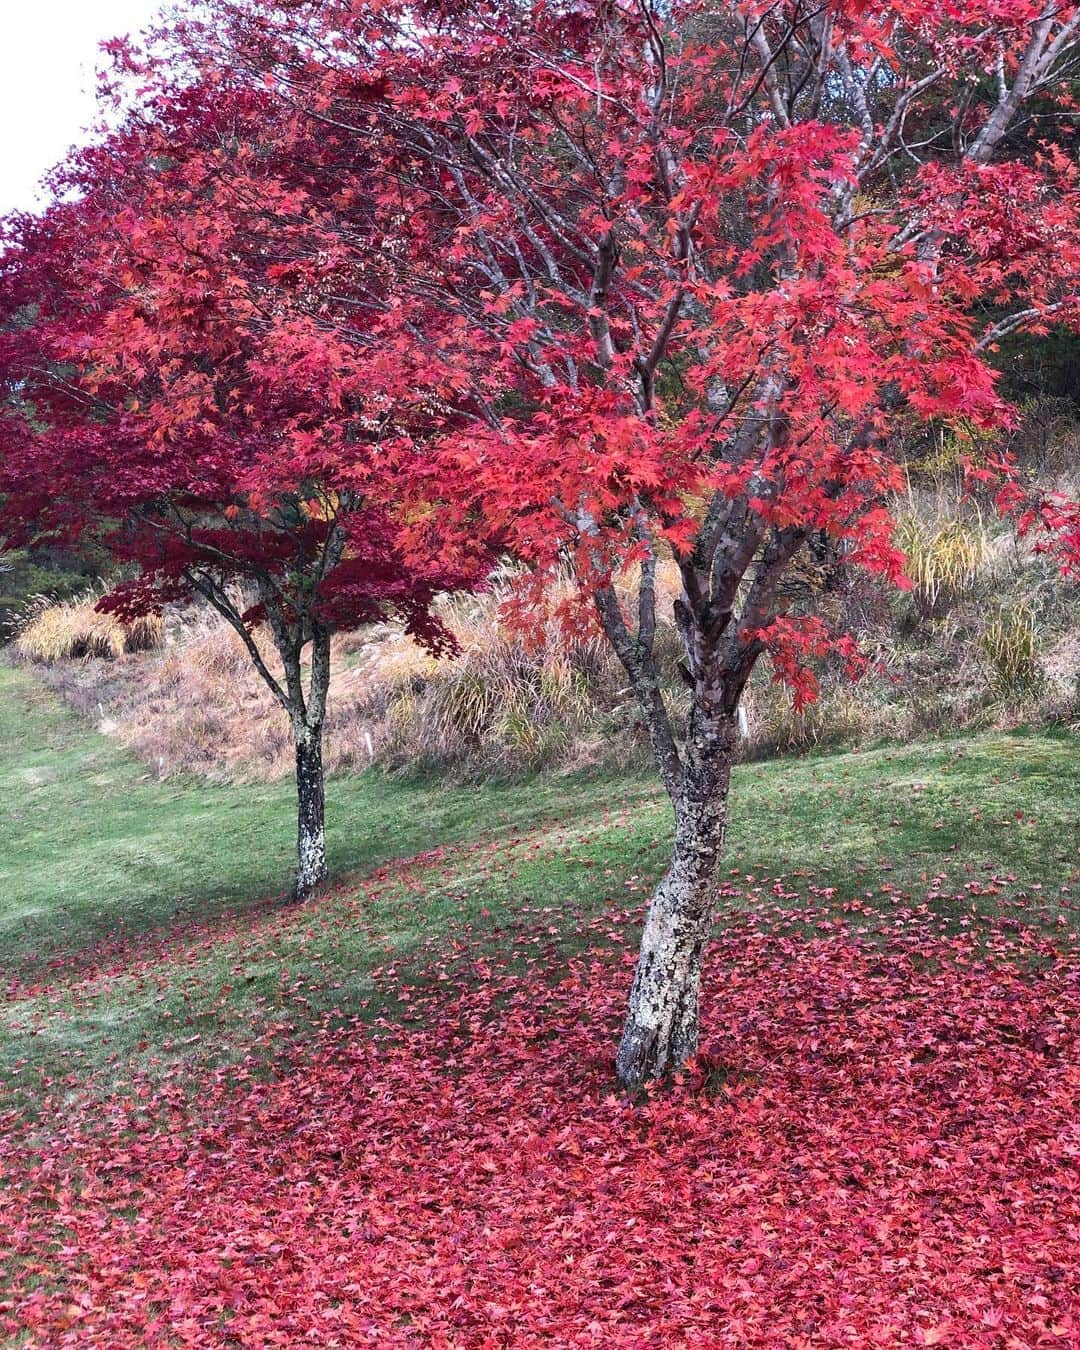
{"x":48,"y":52}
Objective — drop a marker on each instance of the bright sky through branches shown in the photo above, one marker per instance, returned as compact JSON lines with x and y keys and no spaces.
{"x":48,"y":54}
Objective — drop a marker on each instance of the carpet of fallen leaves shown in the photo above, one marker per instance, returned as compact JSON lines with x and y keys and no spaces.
{"x":879,"y":1145}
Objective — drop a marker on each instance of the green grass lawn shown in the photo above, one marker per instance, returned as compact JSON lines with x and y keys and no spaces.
{"x":145,"y":922}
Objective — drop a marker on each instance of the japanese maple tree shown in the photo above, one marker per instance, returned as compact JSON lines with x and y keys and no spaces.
{"x":194,"y":374}
{"x":706,"y":262}
{"x":641,"y":281}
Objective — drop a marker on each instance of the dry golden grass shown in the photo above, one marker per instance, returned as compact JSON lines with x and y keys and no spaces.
{"x":990,"y":621}
{"x":1010,"y":643}
{"x":75,"y":630}
{"x":499,"y":704}
{"x":943,"y":560}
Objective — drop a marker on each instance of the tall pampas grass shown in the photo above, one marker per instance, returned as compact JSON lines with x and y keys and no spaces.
{"x":74,"y":630}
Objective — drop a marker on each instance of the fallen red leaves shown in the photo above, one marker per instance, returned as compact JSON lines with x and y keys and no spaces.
{"x":879,"y":1147}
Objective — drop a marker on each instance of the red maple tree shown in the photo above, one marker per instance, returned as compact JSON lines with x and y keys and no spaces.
{"x":667,"y":281}
{"x":705,"y":263}
{"x":194,"y":374}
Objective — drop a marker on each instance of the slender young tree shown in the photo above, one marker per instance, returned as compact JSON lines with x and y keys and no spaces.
{"x":195,"y":376}
{"x":705,"y":264}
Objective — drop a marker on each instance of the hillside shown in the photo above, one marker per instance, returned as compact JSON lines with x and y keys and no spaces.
{"x":102,"y":867}
{"x":540,"y":681}
{"x":470,"y":938}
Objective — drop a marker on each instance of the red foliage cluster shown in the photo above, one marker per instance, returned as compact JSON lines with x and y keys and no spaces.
{"x":1052,"y":519}
{"x":180,"y":383}
{"x":878,"y":1147}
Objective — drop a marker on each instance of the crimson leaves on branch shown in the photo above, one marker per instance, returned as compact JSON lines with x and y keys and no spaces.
{"x":700,"y":267}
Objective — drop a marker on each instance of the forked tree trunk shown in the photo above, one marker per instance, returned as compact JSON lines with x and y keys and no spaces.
{"x":292,"y":628}
{"x":310,"y":792}
{"x":661,"y":1030}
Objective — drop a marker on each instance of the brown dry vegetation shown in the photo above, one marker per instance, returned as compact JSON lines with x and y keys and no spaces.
{"x":75,"y":629}
{"x":989,"y":636}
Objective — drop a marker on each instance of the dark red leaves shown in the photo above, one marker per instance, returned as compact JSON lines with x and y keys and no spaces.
{"x":878,"y":1147}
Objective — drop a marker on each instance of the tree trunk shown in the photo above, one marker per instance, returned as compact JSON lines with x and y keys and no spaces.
{"x":311,"y":836}
{"x":661,"y":1030}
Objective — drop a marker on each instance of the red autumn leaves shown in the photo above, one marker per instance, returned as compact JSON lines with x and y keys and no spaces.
{"x":878,"y":1146}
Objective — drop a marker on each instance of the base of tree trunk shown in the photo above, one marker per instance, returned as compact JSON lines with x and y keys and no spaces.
{"x":305,"y":887}
{"x":661,"y":1029}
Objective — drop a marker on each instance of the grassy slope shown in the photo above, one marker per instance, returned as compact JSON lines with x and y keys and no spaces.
{"x":135,"y":923}
{"x":92,"y":846}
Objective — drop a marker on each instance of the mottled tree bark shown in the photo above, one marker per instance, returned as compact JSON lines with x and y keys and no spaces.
{"x":661,"y":1029}
{"x":722,"y":647}
{"x":294,"y":627}
{"x":307,"y":712}
{"x":310,"y":792}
